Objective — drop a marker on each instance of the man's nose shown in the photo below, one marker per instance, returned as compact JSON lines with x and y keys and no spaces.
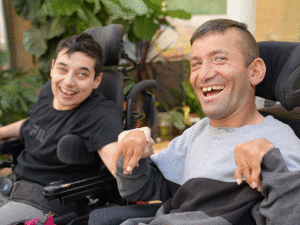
{"x":69,"y":79}
{"x":204,"y":74}
{"x":207,"y":71}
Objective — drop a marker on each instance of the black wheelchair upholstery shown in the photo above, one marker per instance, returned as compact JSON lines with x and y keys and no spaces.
{"x":281,"y":83}
{"x":101,"y":190}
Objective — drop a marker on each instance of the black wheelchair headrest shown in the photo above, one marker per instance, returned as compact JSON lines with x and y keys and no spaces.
{"x":282,"y":80}
{"x":110,"y":39}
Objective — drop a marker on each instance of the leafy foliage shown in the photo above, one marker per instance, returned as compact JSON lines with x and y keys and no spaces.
{"x":3,"y":57}
{"x":19,"y":91}
{"x":191,"y":98}
{"x":53,"y":20}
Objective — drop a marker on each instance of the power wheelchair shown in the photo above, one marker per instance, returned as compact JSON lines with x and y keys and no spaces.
{"x":281,"y":83}
{"x":102,"y":190}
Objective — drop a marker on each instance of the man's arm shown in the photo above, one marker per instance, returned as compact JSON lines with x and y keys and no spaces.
{"x":138,"y":178}
{"x":144,"y":183}
{"x":133,"y":145}
{"x":12,"y":130}
{"x":281,"y":189}
{"x":106,"y":154}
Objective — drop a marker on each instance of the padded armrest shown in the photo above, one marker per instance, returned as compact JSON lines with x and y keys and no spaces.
{"x":71,"y":150}
{"x":11,"y":146}
{"x":118,"y":214}
{"x":70,"y":192}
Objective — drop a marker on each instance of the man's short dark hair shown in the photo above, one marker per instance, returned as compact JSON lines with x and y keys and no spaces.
{"x":86,"y":44}
{"x":247,"y":41}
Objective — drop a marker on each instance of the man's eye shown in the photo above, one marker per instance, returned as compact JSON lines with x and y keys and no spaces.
{"x":82,"y":74}
{"x":62,"y":70}
{"x":221,"y":58}
{"x":196,"y":64}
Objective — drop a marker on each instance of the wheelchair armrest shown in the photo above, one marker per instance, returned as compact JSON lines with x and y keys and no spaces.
{"x":72,"y":192}
{"x":140,"y":87}
{"x":118,"y":214}
{"x":71,"y":150}
{"x":149,"y":106}
{"x":11,"y":146}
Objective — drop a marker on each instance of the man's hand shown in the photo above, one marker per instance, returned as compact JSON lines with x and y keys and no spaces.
{"x":2,"y":137}
{"x":133,"y":145}
{"x":248,"y":157}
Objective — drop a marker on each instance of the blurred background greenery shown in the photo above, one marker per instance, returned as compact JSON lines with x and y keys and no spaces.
{"x":40,"y":24}
{"x":144,"y":22}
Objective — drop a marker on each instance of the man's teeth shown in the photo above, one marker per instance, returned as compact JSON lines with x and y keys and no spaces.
{"x":213,"y":88}
{"x":68,"y":92}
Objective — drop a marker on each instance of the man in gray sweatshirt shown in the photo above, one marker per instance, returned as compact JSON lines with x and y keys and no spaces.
{"x":195,"y":176}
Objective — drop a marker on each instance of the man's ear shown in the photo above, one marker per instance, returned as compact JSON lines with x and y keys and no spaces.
{"x":257,"y":71}
{"x":98,"y":81}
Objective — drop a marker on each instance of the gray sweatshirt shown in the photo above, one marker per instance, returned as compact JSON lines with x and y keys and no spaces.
{"x":194,"y":176}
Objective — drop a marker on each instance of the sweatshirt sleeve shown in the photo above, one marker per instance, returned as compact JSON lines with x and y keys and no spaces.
{"x":145,"y":183}
{"x":281,"y":191}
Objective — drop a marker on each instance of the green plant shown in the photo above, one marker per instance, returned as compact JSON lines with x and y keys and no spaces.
{"x":53,"y":20}
{"x":178,"y":118}
{"x":19,"y":91}
{"x":191,"y":98}
{"x":3,"y":57}
{"x":2,"y":158}
{"x":173,"y":123}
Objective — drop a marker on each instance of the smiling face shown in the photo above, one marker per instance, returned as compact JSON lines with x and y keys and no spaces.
{"x":72,"y":79}
{"x":220,"y":78}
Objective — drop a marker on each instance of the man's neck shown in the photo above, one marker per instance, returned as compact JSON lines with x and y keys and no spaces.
{"x":247,"y":116}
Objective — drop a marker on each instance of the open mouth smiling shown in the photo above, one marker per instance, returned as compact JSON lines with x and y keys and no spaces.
{"x":212,"y":90}
{"x":67,"y":92}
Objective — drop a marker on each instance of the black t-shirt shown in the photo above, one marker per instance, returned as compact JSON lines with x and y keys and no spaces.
{"x":97,"y":121}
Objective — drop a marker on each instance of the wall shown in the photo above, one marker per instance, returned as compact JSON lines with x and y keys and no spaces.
{"x":277,"y":20}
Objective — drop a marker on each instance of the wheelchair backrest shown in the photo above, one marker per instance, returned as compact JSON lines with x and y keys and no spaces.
{"x":110,"y":39}
{"x":282,"y":81}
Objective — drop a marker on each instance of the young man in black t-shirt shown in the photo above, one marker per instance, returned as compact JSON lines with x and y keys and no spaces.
{"x":66,"y":105}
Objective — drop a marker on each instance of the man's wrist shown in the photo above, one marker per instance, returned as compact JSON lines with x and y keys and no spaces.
{"x":2,"y":133}
{"x":269,"y":146}
{"x":266,"y":146}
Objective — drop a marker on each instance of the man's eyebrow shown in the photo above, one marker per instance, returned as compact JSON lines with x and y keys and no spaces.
{"x":82,"y":67}
{"x":194,"y":58}
{"x":62,"y":64}
{"x":85,"y":68}
{"x":218,"y":51}
{"x":212,"y":53}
